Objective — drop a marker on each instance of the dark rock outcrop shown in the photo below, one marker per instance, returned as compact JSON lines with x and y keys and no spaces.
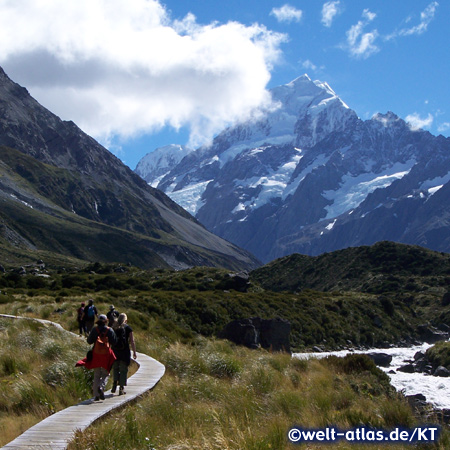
{"x":426,"y":411}
{"x":407,"y":368}
{"x":271,"y":334}
{"x":423,"y":364}
{"x":237,"y":281}
{"x":442,"y":371}
{"x":380,"y":359}
{"x":431,"y":335}
{"x":241,"y":332}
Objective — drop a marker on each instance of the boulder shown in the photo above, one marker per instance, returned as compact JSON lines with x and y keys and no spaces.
{"x":238,"y":281}
{"x":380,"y":359}
{"x":241,"y":332}
{"x":271,"y":334}
{"x":421,"y":364}
{"x":431,"y":335}
{"x":441,"y":371}
{"x":417,"y":401}
{"x":443,"y":327}
{"x":407,"y":368}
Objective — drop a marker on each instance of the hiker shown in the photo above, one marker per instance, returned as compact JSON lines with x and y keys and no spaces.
{"x":121,"y":348}
{"x":102,"y":355}
{"x":90,"y":314}
{"x":81,"y":320}
{"x":112,"y":315}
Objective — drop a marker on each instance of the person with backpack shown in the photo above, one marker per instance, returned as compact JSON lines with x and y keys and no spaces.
{"x":90,"y":314}
{"x":124,"y":338}
{"x":112,"y":316}
{"x":81,"y":320}
{"x":103,"y":338}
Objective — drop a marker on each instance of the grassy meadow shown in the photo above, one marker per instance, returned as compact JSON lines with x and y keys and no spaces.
{"x":214,"y":394}
{"x":37,"y":374}
{"x":217,"y":396}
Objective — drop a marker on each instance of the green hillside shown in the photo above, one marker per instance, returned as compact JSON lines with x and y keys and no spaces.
{"x":203,"y":300}
{"x":381,"y":268}
{"x":38,"y":221}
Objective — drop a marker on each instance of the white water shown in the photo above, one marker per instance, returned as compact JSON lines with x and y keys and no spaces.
{"x":435,"y":389}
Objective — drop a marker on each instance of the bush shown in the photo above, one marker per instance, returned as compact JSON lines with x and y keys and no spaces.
{"x":446,"y":299}
{"x":8,"y":365}
{"x":51,"y":350}
{"x":387,"y":305}
{"x":56,"y":374}
{"x":34,"y":397}
{"x":439,"y":354}
{"x":353,"y":364}
{"x":221,"y":366}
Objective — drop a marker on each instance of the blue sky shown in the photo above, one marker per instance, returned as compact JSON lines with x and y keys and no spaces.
{"x":139,"y":74}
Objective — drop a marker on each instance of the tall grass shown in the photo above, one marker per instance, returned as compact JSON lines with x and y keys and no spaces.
{"x":250,"y":403}
{"x":37,"y":374}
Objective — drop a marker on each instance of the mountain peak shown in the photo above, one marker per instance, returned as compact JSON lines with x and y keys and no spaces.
{"x":389,"y":117}
{"x":309,"y":176}
{"x":389,"y":120}
{"x":301,"y":79}
{"x":153,"y":166}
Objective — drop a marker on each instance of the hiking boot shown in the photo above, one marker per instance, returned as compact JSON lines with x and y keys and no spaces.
{"x":96,"y":399}
{"x":114,"y":387}
{"x":101,"y":394}
{"x":121,"y":391}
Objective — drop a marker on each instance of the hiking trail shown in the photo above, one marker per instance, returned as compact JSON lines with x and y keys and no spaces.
{"x":58,"y":430}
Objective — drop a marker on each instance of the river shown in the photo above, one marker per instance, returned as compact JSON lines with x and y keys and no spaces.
{"x":435,"y":389}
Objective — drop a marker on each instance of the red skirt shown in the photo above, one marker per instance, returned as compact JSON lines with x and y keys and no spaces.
{"x":105,"y":360}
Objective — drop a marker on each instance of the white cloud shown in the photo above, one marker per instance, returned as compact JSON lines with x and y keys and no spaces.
{"x":416,"y":122}
{"x":329,"y":11}
{"x":124,"y":67}
{"x":426,"y":16}
{"x":287,"y":13}
{"x":444,"y":127}
{"x":361,"y":45}
{"x":309,"y":65}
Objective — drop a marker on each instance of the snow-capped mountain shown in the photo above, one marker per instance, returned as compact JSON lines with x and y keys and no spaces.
{"x":309,"y":176}
{"x":154,"y":166}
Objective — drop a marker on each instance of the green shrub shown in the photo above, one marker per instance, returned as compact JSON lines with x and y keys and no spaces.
{"x":439,"y":354}
{"x":355,"y":363}
{"x":223,"y":366}
{"x":8,"y":365}
{"x":34,"y":397}
{"x":56,"y":374}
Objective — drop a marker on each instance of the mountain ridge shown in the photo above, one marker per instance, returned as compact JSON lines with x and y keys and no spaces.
{"x":311,"y":177}
{"x":96,"y":186}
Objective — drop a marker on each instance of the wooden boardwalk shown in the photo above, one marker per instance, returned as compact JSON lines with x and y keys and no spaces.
{"x":56,"y":431}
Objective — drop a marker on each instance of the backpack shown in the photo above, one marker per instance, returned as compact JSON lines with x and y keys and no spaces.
{"x":121,"y":335}
{"x":90,"y":313}
{"x":102,"y":345}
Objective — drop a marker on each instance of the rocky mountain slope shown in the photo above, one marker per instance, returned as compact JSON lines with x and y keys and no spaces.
{"x":61,"y":191}
{"x":311,"y":177}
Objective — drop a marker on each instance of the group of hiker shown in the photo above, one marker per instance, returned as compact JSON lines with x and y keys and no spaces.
{"x":112,"y":338}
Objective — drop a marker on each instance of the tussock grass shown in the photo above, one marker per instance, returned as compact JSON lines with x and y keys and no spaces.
{"x":214,"y":395}
{"x":37,"y":374}
{"x":251,"y":408}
